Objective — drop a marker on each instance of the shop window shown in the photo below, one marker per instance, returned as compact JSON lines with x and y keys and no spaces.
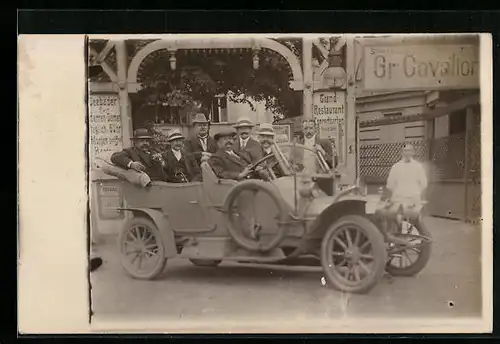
{"x":458,"y":122}
{"x":218,"y":110}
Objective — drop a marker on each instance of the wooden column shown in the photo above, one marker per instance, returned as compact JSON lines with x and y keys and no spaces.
{"x":469,"y":126}
{"x":308,"y":78}
{"x":125,"y":112}
{"x":350,"y":149}
{"x":307,"y":92}
{"x":121,"y":62}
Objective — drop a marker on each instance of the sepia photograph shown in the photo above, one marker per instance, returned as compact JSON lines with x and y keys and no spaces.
{"x":311,"y":177}
{"x":285,"y":183}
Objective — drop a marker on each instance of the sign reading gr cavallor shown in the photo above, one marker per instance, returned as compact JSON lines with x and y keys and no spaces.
{"x":417,"y":67}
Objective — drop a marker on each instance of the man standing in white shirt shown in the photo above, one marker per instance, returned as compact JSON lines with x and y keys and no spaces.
{"x":407,"y":179}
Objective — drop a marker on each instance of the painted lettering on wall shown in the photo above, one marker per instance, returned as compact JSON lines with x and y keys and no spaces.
{"x":105,"y":126}
{"x":421,"y":67}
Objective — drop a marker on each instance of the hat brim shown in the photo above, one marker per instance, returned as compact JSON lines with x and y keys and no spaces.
{"x":220,"y":135}
{"x":266,"y":134}
{"x":244,"y":125}
{"x":176,"y":138}
{"x":142,"y":137}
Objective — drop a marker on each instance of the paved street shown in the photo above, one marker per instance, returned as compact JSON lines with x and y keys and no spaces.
{"x":450,"y":286}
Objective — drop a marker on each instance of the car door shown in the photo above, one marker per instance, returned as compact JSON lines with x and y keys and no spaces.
{"x":184,"y":207}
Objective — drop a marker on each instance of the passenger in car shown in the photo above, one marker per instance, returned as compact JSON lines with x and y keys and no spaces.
{"x":266,"y":137}
{"x":141,"y":157}
{"x":201,"y":144}
{"x":178,"y":164}
{"x":226,"y":163}
{"x":245,"y":144}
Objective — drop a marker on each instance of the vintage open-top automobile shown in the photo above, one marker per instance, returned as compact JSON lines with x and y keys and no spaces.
{"x":294,"y":213}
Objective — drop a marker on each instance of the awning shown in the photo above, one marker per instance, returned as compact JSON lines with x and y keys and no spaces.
{"x":431,"y":114}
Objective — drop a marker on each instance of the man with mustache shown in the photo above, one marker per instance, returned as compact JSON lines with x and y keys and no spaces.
{"x":199,"y":145}
{"x":244,"y":144}
{"x":266,"y":137}
{"x":226,"y":163}
{"x":141,"y":157}
{"x":178,"y":165}
{"x":313,"y":141}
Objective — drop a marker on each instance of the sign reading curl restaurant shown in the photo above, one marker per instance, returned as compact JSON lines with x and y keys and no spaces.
{"x":417,"y":67}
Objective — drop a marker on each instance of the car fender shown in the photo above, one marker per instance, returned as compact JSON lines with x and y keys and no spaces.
{"x":242,"y":184}
{"x":328,"y":215}
{"x":161,"y":222}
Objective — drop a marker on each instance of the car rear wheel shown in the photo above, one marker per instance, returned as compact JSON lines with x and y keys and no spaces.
{"x":400,"y":262}
{"x":141,"y":248}
{"x":205,"y":262}
{"x":353,"y":254}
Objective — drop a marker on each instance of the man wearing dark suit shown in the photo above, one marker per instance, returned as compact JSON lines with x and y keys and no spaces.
{"x":178,"y":166}
{"x":200,"y":144}
{"x":141,"y":157}
{"x":244,"y":144}
{"x":226,"y":163}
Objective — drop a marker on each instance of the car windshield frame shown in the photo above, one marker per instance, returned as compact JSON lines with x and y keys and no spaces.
{"x":284,"y":163}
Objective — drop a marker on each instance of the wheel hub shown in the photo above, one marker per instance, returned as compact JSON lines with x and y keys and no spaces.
{"x":352,"y":254}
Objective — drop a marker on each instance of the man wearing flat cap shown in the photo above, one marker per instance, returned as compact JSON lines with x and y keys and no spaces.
{"x":226,"y":163}
{"x":245,"y":144}
{"x":200,"y":144}
{"x":178,"y":166}
{"x":141,"y":157}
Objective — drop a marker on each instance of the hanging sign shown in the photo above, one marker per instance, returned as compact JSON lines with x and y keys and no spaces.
{"x":329,"y":111}
{"x":282,"y":132}
{"x":105,"y":125}
{"x":417,"y":67}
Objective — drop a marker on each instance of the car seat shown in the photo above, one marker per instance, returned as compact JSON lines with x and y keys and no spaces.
{"x":214,"y":187}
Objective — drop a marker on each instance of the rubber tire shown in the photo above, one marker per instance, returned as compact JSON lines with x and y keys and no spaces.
{"x":158,"y":269}
{"x":379,"y":251}
{"x":422,"y":259}
{"x":205,"y":262}
{"x":236,"y":234}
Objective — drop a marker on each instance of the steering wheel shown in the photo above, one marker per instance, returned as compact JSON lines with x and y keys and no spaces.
{"x":268,"y":167}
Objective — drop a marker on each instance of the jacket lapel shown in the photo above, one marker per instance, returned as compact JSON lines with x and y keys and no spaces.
{"x":234,"y":159}
{"x":144,"y":157}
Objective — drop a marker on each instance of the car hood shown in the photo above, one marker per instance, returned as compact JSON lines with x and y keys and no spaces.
{"x":319,"y":204}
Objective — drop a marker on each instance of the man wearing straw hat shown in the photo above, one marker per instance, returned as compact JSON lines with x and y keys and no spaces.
{"x":141,"y":157}
{"x":200,"y":144}
{"x":244,"y":144}
{"x":266,"y":137}
{"x":178,"y":167}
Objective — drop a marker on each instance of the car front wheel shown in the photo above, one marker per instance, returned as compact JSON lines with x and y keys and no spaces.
{"x":353,"y":254}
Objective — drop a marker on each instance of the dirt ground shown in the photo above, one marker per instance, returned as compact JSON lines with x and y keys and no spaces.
{"x":450,"y":286}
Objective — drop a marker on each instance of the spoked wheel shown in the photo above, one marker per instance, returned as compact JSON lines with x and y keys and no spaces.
{"x":141,"y":248}
{"x":353,"y":254}
{"x":205,"y":262}
{"x":256,"y":215}
{"x":409,"y":260}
